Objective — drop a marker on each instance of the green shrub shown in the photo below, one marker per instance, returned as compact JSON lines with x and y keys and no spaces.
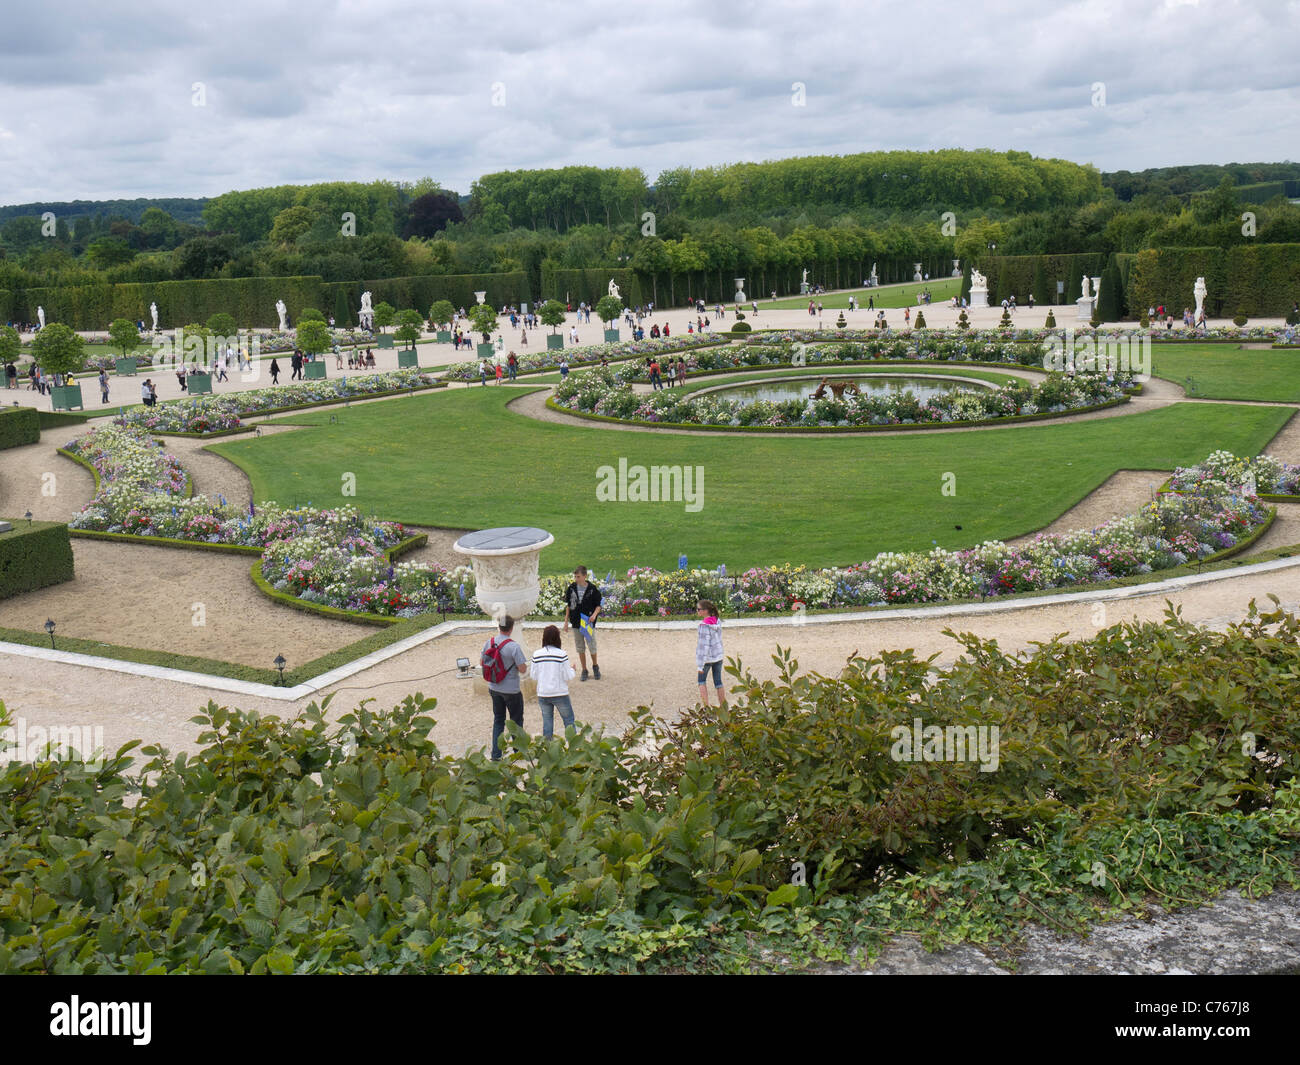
{"x":34,"y":556}
{"x":920,"y":320}
{"x":19,"y":426}
{"x":1050,"y":321}
{"x":1239,"y":319}
{"x":356,"y":846}
{"x":742,"y":327}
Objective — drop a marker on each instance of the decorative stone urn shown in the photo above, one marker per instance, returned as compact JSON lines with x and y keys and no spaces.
{"x":916,"y":272}
{"x":956,"y":268}
{"x":505,"y":576}
{"x":481,"y":296}
{"x":740,"y":290}
{"x":505,"y":568}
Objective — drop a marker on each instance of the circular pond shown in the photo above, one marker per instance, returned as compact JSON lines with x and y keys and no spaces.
{"x":871,"y":385}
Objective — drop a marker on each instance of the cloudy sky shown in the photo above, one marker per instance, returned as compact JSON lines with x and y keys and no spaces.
{"x":132,"y":98}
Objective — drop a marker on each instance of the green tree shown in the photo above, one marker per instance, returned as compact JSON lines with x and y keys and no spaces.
{"x":552,"y":314}
{"x":57,"y":349}
{"x":384,"y":314}
{"x":1110,"y":298}
{"x":290,"y":224}
{"x":609,"y":309}
{"x":484,"y":320}
{"x":222,"y":324}
{"x":310,"y":314}
{"x":313,"y":336}
{"x":342,"y":313}
{"x":124,"y":335}
{"x":195,"y":343}
{"x":409,"y":325}
{"x":11,"y":344}
{"x":441,"y":311}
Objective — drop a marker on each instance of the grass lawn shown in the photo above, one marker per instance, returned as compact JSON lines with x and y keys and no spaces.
{"x":833,"y":500}
{"x":941,"y":289}
{"x":1225,"y":371}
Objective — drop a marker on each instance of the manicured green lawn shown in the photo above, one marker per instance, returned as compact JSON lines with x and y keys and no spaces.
{"x":1225,"y":371}
{"x":459,"y":459}
{"x":941,"y":289}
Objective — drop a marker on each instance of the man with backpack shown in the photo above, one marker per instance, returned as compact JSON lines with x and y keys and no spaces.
{"x":503,"y":662}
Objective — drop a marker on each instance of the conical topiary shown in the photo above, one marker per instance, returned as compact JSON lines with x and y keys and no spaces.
{"x":962,"y":321}
{"x":840,"y":323}
{"x":920,"y":320}
{"x":1005,"y":321}
{"x":1051,"y":321}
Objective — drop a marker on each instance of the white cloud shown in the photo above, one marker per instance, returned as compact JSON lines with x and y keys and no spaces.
{"x":97,"y":102}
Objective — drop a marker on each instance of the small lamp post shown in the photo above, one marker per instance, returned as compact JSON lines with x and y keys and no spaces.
{"x":279,"y":664}
{"x":49,"y":628}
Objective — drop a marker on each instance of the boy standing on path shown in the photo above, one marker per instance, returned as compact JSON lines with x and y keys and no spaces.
{"x":581,"y":608}
{"x":508,"y":658}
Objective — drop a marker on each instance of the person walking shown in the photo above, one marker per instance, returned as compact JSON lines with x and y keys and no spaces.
{"x":503,"y":663}
{"x":708,"y":652}
{"x":153,"y":394}
{"x":275,"y":372}
{"x":564,"y":368}
{"x":552,"y":670}
{"x":103,"y":385}
{"x":295,"y":362}
{"x":499,"y":372}
{"x":145,"y":394}
{"x":482,"y":372}
{"x":581,"y":609}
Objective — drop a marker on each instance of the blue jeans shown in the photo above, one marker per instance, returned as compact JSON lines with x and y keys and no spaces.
{"x":551,"y":703}
{"x":702,"y":673}
{"x":513,"y":702}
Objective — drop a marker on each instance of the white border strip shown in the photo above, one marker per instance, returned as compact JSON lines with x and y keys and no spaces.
{"x":451,"y":628}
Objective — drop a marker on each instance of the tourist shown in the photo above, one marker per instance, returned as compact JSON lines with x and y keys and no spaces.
{"x":553,"y":671}
{"x":907,"y":315}
{"x":512,"y":364}
{"x":573,"y":334}
{"x":708,"y":652}
{"x":499,"y":372}
{"x":181,"y":378}
{"x":295,"y":361}
{"x":656,"y":384}
{"x":103,"y":385}
{"x":146,"y":393}
{"x":681,"y":372}
{"x":581,"y":609}
{"x":564,"y":368}
{"x":275,"y":372}
{"x":503,"y":663}
{"x":370,"y":358}
{"x":11,"y":374}
{"x":338,"y":357}
{"x":153,"y":394}
{"x":523,"y":339}
{"x":482,"y":372}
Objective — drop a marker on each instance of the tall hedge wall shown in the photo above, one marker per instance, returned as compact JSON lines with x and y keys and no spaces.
{"x":422,"y":290}
{"x":1260,"y":280}
{"x":34,"y":556}
{"x":588,"y":286}
{"x":251,"y":300}
{"x":1021,"y":275}
{"x":18,"y":426}
{"x":6,"y":306}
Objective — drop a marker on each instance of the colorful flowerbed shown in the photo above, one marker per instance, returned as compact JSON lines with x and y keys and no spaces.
{"x":895,"y":316}
{"x":606,"y":392}
{"x":1224,"y":472}
{"x":589,"y":355}
{"x":336,"y":557}
{"x":206,"y":414}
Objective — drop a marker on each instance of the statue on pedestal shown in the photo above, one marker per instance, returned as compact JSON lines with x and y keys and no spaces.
{"x":1087,"y":288}
{"x":1199,"y":290}
{"x":978,"y":280}
{"x":153,"y":313}
{"x":613,"y":289}
{"x":282,"y":311}
{"x":40,"y":316}
{"x":366,"y":316}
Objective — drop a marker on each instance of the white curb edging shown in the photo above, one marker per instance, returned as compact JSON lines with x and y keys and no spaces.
{"x":451,"y":628}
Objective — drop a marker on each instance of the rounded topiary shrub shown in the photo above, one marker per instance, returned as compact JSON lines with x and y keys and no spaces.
{"x":1050,"y":323}
{"x":1239,"y":319}
{"x":1144,"y":322}
{"x":742,"y":327}
{"x":962,"y":321}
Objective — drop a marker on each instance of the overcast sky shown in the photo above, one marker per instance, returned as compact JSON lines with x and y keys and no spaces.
{"x":100,"y":100}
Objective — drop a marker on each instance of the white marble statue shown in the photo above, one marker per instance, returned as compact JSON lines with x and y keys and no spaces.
{"x":1199,"y":290}
{"x":40,"y":316}
{"x":978,"y":280}
{"x":613,"y":289}
{"x":366,"y":316}
{"x":805,"y":276}
{"x":1087,"y":288}
{"x":282,"y":311}
{"x":153,"y":313}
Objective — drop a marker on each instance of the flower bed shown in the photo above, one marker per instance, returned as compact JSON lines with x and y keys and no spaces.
{"x":1225,"y":472}
{"x":219,"y":413}
{"x":1178,"y":333}
{"x":606,"y":393}
{"x":586,"y":356}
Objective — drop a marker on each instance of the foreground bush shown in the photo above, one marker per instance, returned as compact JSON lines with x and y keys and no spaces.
{"x":305,"y":847}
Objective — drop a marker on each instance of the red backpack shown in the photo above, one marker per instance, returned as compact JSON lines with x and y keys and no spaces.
{"x":493,"y":665}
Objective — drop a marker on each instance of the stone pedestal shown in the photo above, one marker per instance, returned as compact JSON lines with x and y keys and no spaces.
{"x":979,"y":296}
{"x":505,"y":565}
{"x":803,"y":288}
{"x":1084,"y":305}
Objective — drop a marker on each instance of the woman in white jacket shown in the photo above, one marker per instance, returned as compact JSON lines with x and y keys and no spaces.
{"x":553,"y":671}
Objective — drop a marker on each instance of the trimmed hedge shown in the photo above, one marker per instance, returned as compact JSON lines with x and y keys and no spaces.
{"x":1260,"y":280}
{"x":34,"y":556}
{"x":19,"y":426}
{"x":1021,"y":275}
{"x":420,"y":291}
{"x":57,"y":419}
{"x":588,"y":286}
